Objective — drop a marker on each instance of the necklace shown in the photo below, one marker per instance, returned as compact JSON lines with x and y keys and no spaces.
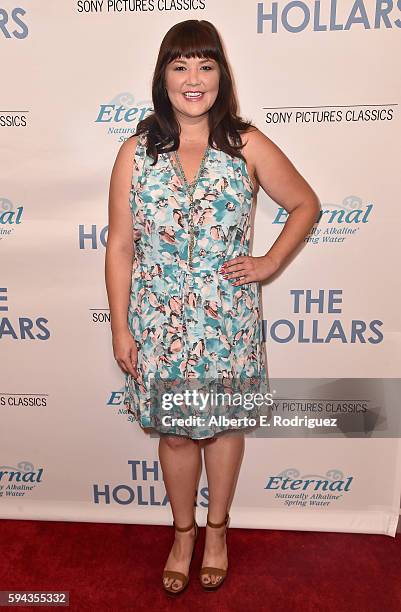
{"x":190,"y":189}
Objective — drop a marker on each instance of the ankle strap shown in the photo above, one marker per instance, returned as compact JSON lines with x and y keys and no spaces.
{"x":218,"y":524}
{"x":184,"y":528}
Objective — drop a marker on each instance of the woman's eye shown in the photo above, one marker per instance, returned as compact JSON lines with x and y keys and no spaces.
{"x":183,"y":67}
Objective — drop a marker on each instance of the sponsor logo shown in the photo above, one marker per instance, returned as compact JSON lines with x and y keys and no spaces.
{"x":20,"y":480}
{"x":10,"y":217}
{"x":134,"y":6}
{"x":335,"y":223}
{"x":333,"y":114}
{"x":294,"y":490}
{"x":122,"y":114}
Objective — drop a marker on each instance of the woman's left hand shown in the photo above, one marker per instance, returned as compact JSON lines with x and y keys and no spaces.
{"x":247,"y":269}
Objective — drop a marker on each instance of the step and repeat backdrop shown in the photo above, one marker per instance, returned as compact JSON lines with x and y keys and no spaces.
{"x":316,"y":77}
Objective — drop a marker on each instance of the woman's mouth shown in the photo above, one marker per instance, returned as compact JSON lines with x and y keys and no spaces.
{"x":193,"y":96}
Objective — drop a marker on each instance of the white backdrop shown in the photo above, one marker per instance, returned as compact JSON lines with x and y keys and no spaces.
{"x":76,"y":79}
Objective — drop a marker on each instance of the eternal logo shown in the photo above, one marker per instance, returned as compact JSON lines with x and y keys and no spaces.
{"x":9,"y":218}
{"x":334,"y":215}
{"x":24,"y":472}
{"x":123,"y":110}
{"x":283,"y":483}
{"x":335,"y":223}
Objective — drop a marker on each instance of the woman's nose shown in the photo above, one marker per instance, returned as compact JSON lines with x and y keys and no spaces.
{"x":193,"y":77}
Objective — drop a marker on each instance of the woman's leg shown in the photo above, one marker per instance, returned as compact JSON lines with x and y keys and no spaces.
{"x":223,"y":456}
{"x":180,"y":460}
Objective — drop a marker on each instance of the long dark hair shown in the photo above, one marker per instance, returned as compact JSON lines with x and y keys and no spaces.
{"x":193,"y":38}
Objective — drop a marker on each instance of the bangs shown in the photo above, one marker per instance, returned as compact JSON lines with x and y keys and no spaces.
{"x":192,"y":41}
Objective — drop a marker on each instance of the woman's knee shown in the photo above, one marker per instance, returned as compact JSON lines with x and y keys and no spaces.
{"x":177,"y":442}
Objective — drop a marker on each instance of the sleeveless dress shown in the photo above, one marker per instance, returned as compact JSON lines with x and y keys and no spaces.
{"x":192,"y":327}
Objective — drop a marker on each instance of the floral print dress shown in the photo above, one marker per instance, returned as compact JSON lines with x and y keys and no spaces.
{"x":192,"y":327}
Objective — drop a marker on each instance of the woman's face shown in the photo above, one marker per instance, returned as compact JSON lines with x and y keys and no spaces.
{"x":198,"y":75}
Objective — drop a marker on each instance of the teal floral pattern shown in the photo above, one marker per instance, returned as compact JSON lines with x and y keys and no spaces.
{"x":189,"y":323}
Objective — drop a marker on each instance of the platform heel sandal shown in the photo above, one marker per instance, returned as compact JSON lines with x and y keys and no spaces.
{"x":179,"y":575}
{"x":216,"y":571}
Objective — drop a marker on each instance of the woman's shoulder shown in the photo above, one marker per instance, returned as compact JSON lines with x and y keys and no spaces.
{"x":256,"y":145}
{"x":248,"y":151}
{"x":253,"y":138}
{"x":129,"y":146}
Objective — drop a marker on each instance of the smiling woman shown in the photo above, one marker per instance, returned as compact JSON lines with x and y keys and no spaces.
{"x":183,"y":288}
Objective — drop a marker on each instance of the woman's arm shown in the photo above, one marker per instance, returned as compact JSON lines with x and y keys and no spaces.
{"x":120,"y":253}
{"x":284,"y":184}
{"x":119,"y":249}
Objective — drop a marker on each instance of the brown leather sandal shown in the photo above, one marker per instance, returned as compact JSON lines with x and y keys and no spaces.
{"x":180,"y":575}
{"x":216,"y":571}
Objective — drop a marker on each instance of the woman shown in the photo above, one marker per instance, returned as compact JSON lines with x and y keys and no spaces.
{"x":183,"y":290}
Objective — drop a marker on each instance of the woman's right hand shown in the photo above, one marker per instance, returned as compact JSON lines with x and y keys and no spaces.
{"x":125,"y":351}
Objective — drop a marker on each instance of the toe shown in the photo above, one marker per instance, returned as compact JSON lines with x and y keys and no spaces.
{"x":176,"y":585}
{"x":172,"y":583}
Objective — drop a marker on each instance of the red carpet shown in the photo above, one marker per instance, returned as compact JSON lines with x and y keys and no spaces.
{"x":118,"y":567}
